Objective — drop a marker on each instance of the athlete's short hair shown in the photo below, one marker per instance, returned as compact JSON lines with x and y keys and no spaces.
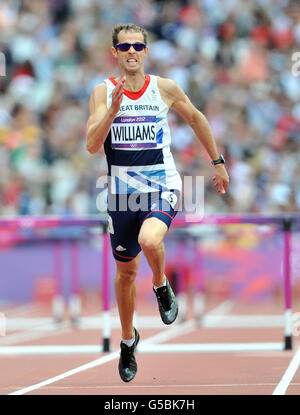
{"x":129,"y":27}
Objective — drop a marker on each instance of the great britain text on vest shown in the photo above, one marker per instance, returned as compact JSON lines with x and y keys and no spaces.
{"x":139,"y":108}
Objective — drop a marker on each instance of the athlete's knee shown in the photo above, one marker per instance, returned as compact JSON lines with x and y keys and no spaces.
{"x":152,"y":234}
{"x":149,"y":242}
{"x":126,"y":276}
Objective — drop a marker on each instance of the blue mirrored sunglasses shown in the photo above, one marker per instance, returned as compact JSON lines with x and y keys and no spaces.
{"x":124,"y":47}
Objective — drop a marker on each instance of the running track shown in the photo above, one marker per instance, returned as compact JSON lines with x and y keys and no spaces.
{"x":37,"y":358}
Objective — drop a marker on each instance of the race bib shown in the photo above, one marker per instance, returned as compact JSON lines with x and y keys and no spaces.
{"x":134,"y":132}
{"x":170,"y":197}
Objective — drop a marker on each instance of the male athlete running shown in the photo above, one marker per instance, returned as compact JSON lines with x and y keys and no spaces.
{"x":128,"y":115}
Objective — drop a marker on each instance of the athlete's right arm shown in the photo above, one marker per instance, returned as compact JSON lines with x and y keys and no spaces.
{"x":101,"y":118}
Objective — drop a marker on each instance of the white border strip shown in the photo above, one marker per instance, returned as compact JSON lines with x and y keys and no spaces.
{"x":288,"y":376}
{"x":288,"y":322}
{"x":49,"y":350}
{"x":148,"y":322}
{"x":145,"y":347}
{"x":209,"y":347}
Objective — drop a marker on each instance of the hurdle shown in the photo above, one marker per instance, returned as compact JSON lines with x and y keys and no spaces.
{"x":58,"y":305}
{"x":74,"y":300}
{"x":287,"y":228}
{"x":285,"y":223}
{"x":74,"y":303}
{"x":199,"y":294}
{"x":19,"y":223}
{"x":105,"y":289}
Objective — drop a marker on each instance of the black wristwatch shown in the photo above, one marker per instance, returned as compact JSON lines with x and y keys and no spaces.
{"x":220,"y":160}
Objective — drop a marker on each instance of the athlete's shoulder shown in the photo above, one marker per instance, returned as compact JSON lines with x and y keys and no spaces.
{"x":170,"y":90}
{"x":100,"y":88}
{"x":99,"y":92}
{"x":166,"y":84}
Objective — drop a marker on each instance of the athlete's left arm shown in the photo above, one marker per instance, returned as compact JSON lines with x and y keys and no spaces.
{"x":176,"y":99}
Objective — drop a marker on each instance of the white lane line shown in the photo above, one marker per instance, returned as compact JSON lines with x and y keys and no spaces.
{"x":288,"y":376}
{"x":240,"y":321}
{"x":35,"y":334}
{"x":40,"y":328}
{"x":222,"y":308}
{"x":28,"y":323}
{"x":168,"y":334}
{"x":209,"y":347}
{"x":218,"y":312}
{"x":145,"y":347}
{"x":133,"y":386}
{"x":23,"y":309}
{"x":148,"y":322}
{"x":151,"y":386}
{"x":50,"y":350}
{"x":174,"y":331}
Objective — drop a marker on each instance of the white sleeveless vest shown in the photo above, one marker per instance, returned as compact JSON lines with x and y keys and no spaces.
{"x":138,"y":144}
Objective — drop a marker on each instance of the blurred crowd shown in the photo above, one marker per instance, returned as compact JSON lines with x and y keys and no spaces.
{"x":233,"y":58}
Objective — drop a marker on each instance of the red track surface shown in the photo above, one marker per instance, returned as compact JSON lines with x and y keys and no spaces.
{"x":226,"y":373}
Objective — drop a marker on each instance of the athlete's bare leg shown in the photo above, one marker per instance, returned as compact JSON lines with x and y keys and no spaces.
{"x":151,"y":238}
{"x":125,"y":294}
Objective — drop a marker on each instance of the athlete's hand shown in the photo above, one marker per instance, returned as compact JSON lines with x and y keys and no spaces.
{"x":117,"y":95}
{"x":221,"y":179}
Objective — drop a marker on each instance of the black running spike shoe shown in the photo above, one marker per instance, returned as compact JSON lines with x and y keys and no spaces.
{"x":167,"y":303}
{"x":127,"y":362}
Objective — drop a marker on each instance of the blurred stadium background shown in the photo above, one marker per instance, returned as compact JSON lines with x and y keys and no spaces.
{"x":232,"y":57}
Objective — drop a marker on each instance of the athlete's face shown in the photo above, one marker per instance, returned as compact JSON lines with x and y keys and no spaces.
{"x":130,"y":61}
